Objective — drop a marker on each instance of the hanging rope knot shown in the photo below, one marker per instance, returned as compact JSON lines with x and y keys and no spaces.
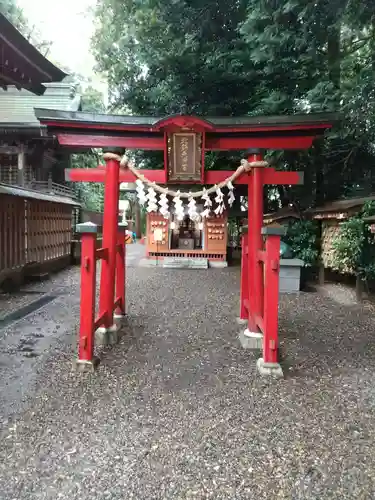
{"x":246,"y":165}
{"x":249,"y":165}
{"x":124,"y":161}
{"x":112,"y":156}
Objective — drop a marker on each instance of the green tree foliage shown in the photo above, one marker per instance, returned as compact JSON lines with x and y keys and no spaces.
{"x":91,"y":194}
{"x":302,"y":238}
{"x":354,"y":247}
{"x":164,"y":56}
{"x":252,"y":57}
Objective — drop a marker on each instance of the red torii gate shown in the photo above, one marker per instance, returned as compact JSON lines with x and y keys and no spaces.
{"x":184,"y":141}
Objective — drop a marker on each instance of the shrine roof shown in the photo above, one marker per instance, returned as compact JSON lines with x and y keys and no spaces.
{"x":22,"y":64}
{"x":210,"y":124}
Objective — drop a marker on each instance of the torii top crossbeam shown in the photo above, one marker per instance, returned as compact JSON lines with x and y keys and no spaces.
{"x":184,"y":140}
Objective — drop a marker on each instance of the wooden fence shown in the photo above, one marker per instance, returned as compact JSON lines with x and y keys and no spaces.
{"x":33,"y":231}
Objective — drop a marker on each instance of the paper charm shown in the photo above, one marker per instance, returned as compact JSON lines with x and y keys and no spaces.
{"x":140,"y":189}
{"x":220,"y":201}
{"x":164,"y":206}
{"x":219,"y":196}
{"x":231,"y":197}
{"x":219,"y":209}
{"x":192,"y":208}
{"x":206,"y":198}
{"x":178,"y":207}
{"x":152,"y":200}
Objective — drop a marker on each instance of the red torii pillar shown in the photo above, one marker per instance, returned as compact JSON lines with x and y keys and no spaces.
{"x":107,"y":334}
{"x":259,"y":306}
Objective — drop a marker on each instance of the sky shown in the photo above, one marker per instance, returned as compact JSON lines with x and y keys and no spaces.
{"x":69,"y":25}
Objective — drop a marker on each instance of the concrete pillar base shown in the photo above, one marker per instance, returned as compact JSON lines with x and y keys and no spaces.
{"x":107,"y":336}
{"x":269,"y":369}
{"x":251,"y":340}
{"x":119,"y":318}
{"x":84,"y":366}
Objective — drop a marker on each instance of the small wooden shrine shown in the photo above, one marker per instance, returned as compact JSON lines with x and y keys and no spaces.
{"x":187,"y":238}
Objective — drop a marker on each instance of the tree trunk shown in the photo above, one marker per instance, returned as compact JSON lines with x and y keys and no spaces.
{"x":334,"y":55}
{"x":319,"y":175}
{"x":284,"y":199}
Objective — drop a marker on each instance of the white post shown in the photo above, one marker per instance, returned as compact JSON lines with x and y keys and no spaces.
{"x":21,"y":166}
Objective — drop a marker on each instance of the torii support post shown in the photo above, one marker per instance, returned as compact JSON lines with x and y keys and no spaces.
{"x":269,"y":363}
{"x":120,"y":303}
{"x":108,"y":272}
{"x":251,"y":338}
{"x":86,"y":360}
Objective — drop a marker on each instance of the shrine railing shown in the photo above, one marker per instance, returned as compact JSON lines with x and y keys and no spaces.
{"x":90,"y":322}
{"x":52,"y":188}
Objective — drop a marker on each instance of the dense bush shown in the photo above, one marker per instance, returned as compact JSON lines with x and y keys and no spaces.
{"x":354,"y":247}
{"x":302,"y":238}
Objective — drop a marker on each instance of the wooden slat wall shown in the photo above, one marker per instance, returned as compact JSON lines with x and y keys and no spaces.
{"x":12,"y":232}
{"x":33,"y":231}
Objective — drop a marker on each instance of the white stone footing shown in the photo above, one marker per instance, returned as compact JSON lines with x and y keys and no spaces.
{"x":269,"y":369}
{"x":251,"y":340}
{"x":107,"y":336}
{"x":218,"y":264}
{"x":81,"y":365}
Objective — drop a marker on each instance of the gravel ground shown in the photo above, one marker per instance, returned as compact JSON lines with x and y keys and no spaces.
{"x":177,"y":411}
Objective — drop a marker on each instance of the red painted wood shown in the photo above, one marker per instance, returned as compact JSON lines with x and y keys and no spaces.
{"x":266,"y":128}
{"x":100,"y":320}
{"x":262,"y":255}
{"x":244,"y":287}
{"x":211,"y":143}
{"x":110,"y":223}
{"x":255,"y":235}
{"x":101,"y":141}
{"x":271,"y":299}
{"x":166,"y":166}
{"x":183,"y":121}
{"x":120,"y":272}
{"x":203,"y":156}
{"x":88,"y":289}
{"x":238,"y":143}
{"x":271,"y":176}
{"x":98,"y":175}
{"x":250,"y":257}
{"x":259,"y":321}
{"x":101,"y":253}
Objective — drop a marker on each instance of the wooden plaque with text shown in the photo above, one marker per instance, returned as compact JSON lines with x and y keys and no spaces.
{"x":184,"y":157}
